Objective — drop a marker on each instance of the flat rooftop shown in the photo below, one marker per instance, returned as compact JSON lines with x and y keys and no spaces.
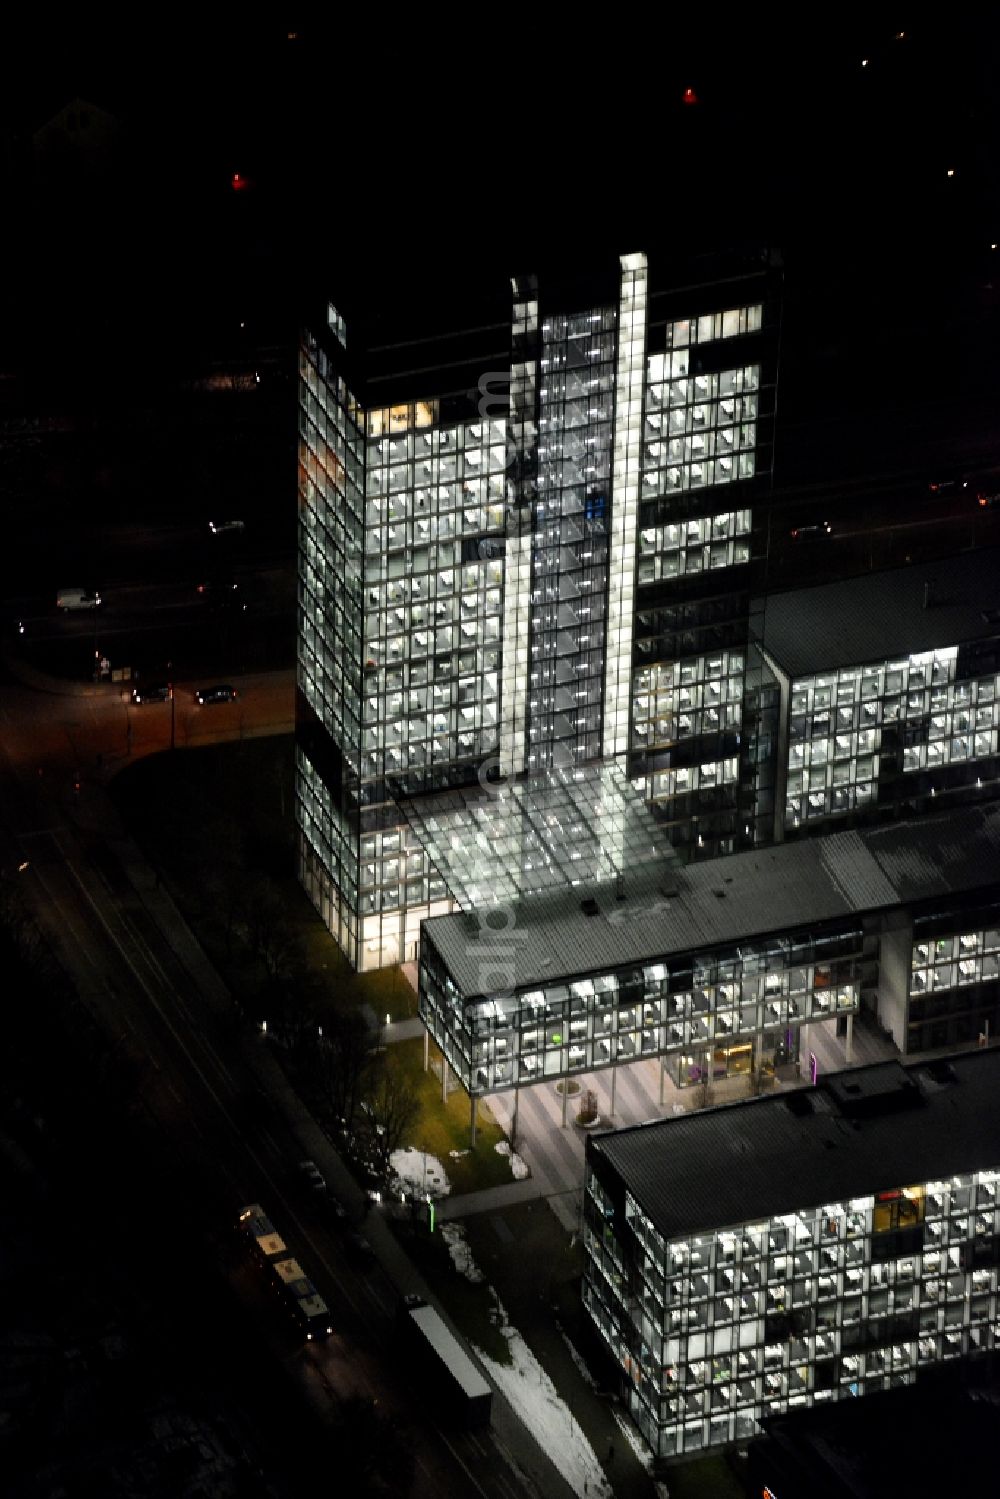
{"x":860,"y":1131}
{"x":665,"y":910}
{"x":881,"y":616}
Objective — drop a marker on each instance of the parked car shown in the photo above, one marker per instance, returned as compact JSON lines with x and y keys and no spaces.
{"x":222,"y":594}
{"x":312,"y":1176}
{"x":220,"y":527}
{"x":223,"y":693}
{"x":359,"y":1249}
{"x":814,"y":528}
{"x":77,"y":598}
{"x":337,"y":1213}
{"x":154,"y":692}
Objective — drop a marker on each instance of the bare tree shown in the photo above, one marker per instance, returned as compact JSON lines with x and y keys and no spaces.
{"x":394,"y":1107}
{"x":340,"y":1059}
{"x":291,"y":1005}
{"x":268,"y":933}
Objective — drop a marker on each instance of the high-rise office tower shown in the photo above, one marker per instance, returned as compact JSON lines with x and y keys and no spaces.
{"x":526,"y":545}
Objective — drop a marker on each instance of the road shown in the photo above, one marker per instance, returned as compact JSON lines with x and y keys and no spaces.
{"x":874,"y":526}
{"x":146,"y":982}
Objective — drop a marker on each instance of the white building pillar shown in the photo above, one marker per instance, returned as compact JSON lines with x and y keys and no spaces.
{"x":625,"y":478}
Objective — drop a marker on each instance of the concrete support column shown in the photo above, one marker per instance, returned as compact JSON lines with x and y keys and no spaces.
{"x":661,"y":1080}
{"x":427,"y":1049}
{"x":803,"y":1051}
{"x":849,"y":1043}
{"x":565,"y":1099}
{"x":472,"y":1121}
{"x":614,"y":1083}
{"x":444,"y":1078}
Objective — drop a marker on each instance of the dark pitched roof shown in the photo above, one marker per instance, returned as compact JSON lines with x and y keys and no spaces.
{"x":864,"y":1130}
{"x":882,"y":615}
{"x":789,"y":887}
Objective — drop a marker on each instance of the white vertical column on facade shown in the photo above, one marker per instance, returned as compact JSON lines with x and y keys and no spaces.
{"x":521,"y":439}
{"x":625,"y":502}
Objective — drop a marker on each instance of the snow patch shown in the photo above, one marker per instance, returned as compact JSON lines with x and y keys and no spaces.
{"x":454,"y":1236}
{"x":422,"y":1173}
{"x":517,"y":1167}
{"x":628,"y":1431}
{"x":530,"y":1391}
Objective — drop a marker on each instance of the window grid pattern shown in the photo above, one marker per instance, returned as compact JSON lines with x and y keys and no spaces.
{"x":331,"y":508}
{"x":836,"y":723}
{"x":433,"y":597}
{"x":570,"y":565}
{"x":522,"y":444}
{"x":665,"y":785}
{"x":554,"y":831}
{"x":328,"y":855}
{"x":700,"y":429}
{"x":625,"y":500}
{"x":718,"y":1330}
{"x":626,"y":1014}
{"x":393,"y":421}
{"x":396,"y":872}
{"x":684,"y":699}
{"x":699,"y":545}
{"x":951,"y":962}
{"x":336,"y":324}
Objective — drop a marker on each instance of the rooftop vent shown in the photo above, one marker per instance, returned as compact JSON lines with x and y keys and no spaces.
{"x":799,"y":1103}
{"x":883,"y":1088}
{"x":589,"y":907}
{"x":669,"y":891}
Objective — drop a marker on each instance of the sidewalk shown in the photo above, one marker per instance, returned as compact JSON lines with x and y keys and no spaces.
{"x":99,"y":815}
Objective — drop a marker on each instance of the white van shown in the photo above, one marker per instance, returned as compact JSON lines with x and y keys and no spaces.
{"x":77,"y":598}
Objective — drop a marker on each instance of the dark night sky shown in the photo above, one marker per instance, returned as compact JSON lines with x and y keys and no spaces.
{"x":488,"y":143}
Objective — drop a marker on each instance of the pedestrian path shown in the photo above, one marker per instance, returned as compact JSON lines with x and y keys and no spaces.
{"x":554,"y":1150}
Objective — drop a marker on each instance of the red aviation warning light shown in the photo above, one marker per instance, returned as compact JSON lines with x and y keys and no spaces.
{"x":689,"y":96}
{"x":238,"y":182}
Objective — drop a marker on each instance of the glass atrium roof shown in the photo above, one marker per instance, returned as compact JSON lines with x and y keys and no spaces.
{"x":552,"y":831}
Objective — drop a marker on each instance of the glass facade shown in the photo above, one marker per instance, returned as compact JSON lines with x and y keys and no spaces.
{"x":918,"y":715}
{"x":487,"y":591}
{"x":522,"y":467}
{"x":687,"y":1008}
{"x":702,"y":722}
{"x":701,"y":429}
{"x":330,"y":548}
{"x":627,"y":460}
{"x":954,"y":982}
{"x":556,"y":830}
{"x":694,"y":546}
{"x":713,"y":1331}
{"x":569,"y":585}
{"x":434,"y":528}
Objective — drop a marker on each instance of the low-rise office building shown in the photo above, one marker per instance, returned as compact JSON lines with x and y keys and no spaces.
{"x":790,"y":1250}
{"x":889,"y":693}
{"x":722,"y":967}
